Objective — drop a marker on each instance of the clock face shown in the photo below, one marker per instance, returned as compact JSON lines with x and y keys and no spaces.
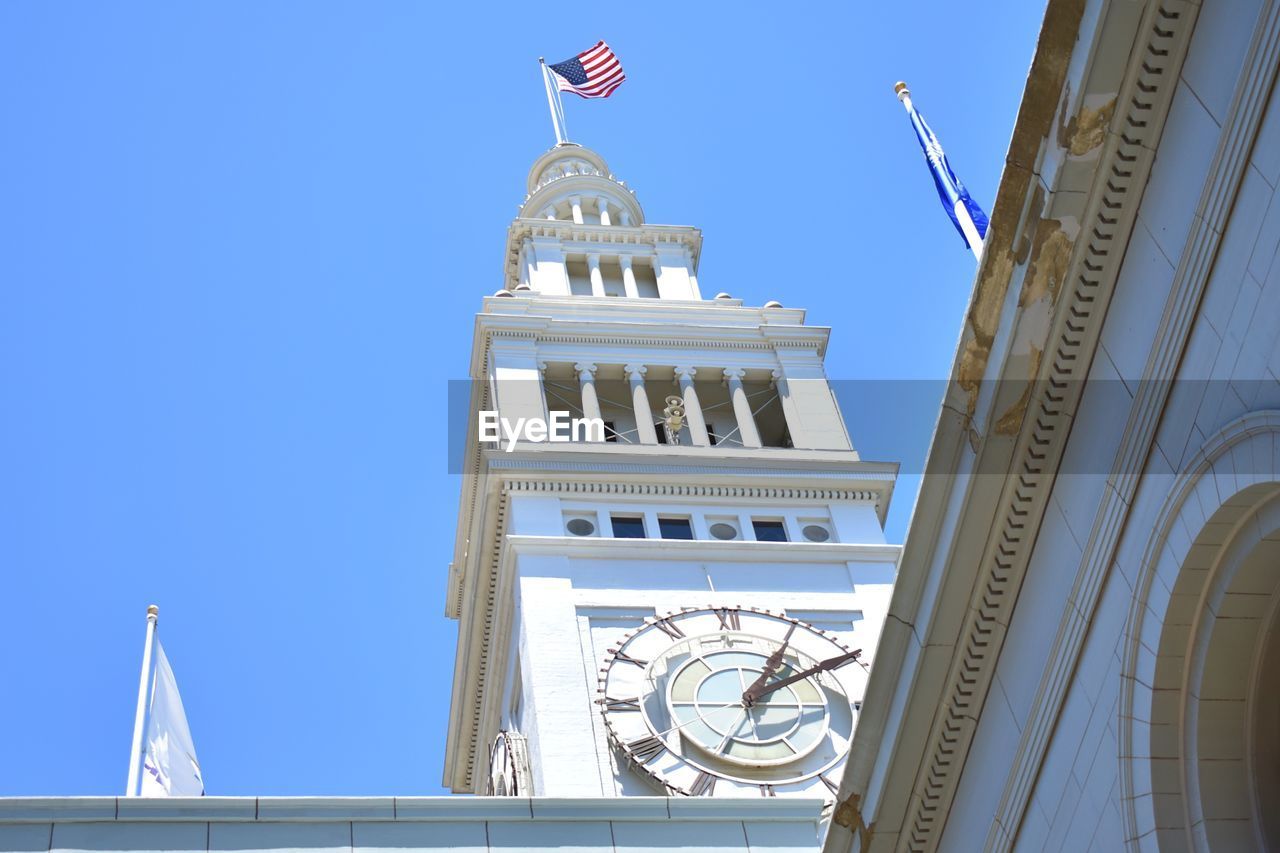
{"x":508,"y":767}
{"x":731,"y":701}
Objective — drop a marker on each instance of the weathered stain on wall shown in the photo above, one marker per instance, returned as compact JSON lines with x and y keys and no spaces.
{"x":1035,"y":125}
{"x":1050,"y":255}
{"x":1087,"y":130}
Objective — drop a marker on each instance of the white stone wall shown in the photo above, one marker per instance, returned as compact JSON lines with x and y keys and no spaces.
{"x":1075,"y":804}
{"x":579,"y":595}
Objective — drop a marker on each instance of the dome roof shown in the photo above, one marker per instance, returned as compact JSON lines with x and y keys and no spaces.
{"x":568,"y":170}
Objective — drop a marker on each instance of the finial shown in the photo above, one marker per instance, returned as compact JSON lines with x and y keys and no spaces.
{"x":153,"y":612}
{"x":900,"y":89}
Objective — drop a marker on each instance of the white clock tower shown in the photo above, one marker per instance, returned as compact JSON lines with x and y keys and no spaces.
{"x":672,"y":607}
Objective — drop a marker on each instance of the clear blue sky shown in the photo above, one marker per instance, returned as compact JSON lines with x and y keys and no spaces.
{"x":241,"y":244}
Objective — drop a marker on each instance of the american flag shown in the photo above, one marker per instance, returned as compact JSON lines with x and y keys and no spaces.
{"x":594,"y":73}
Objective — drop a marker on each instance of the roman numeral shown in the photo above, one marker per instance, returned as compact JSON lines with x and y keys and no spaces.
{"x":729,"y":620}
{"x":831,"y":786}
{"x":646,"y":749}
{"x":626,"y":658}
{"x":611,"y":704}
{"x":704,"y":785}
{"x":669,"y":628}
{"x":767,"y":791}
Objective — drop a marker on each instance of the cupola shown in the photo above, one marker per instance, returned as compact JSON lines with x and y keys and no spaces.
{"x":581,"y":232}
{"x":574,"y":184}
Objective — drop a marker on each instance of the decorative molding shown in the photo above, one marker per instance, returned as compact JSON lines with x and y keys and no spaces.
{"x":1045,"y":422}
{"x":737,"y":550}
{"x":1194,"y":268}
{"x":648,"y":237}
{"x":651,"y":340}
{"x":887,"y":474}
{"x":475,"y":736}
{"x":687,"y":491}
{"x":816,"y":342}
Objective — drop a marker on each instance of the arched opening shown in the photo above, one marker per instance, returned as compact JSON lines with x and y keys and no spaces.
{"x":1210,"y":682}
{"x":1200,"y":702}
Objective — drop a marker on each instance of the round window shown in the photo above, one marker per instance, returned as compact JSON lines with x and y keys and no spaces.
{"x":580,"y":527}
{"x":722,"y":530}
{"x":816,"y":533}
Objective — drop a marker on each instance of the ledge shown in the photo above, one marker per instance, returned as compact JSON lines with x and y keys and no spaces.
{"x":740,"y":550}
{"x":18,"y":810}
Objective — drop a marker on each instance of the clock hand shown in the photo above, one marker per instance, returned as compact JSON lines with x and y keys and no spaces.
{"x":770,"y":666}
{"x":734,"y":704}
{"x":737,"y":721}
{"x":753,"y":693}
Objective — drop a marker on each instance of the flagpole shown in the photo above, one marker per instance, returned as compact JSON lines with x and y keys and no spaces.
{"x":970,"y":231}
{"x":135,"y":758}
{"x":557,"y":118}
{"x":564,"y":126}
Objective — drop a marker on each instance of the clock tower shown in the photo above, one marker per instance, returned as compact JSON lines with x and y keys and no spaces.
{"x":670,"y":570}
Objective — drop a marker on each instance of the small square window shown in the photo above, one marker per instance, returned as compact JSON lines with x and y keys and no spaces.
{"x":627,"y":526}
{"x":769,"y":531}
{"x":675,"y":528}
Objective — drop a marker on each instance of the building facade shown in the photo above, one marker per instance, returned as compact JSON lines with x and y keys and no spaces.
{"x":1081,"y":653}
{"x":1079,"y":646}
{"x":610,"y":591}
{"x":664,"y":623}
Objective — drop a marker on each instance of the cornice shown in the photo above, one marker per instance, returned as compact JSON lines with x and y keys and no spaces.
{"x":693,"y":549}
{"x":696,"y":464}
{"x":551,"y":487}
{"x":1045,"y":422}
{"x":1194,"y":267}
{"x":319,"y":810}
{"x":606,"y":323}
{"x":1024,"y":438}
{"x":622,"y":237}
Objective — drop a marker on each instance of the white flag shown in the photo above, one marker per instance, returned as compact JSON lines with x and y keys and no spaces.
{"x":169,"y":765}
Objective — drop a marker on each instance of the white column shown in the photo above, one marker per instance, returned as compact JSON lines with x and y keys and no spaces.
{"x":515,"y":378}
{"x":576,"y":204}
{"x":742,"y":407}
{"x":549,"y":212}
{"x":603,"y":204}
{"x":628,"y":277}
{"x":693,"y":277}
{"x":597,"y":277}
{"x":692,"y":408}
{"x":530,"y":261}
{"x":640,"y":403}
{"x":587,"y":380}
{"x":551,"y":275}
{"x":624,"y":216}
{"x":813,"y":418}
{"x":671,"y":263}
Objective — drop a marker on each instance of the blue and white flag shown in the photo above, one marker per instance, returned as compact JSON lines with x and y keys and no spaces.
{"x":968,"y":217}
{"x":169,"y":765}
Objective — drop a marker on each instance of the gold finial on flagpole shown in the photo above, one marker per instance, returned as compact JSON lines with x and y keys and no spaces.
{"x":900,"y":89}
{"x":153,"y":611}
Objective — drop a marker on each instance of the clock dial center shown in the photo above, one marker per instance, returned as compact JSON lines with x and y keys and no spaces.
{"x":706,"y":697}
